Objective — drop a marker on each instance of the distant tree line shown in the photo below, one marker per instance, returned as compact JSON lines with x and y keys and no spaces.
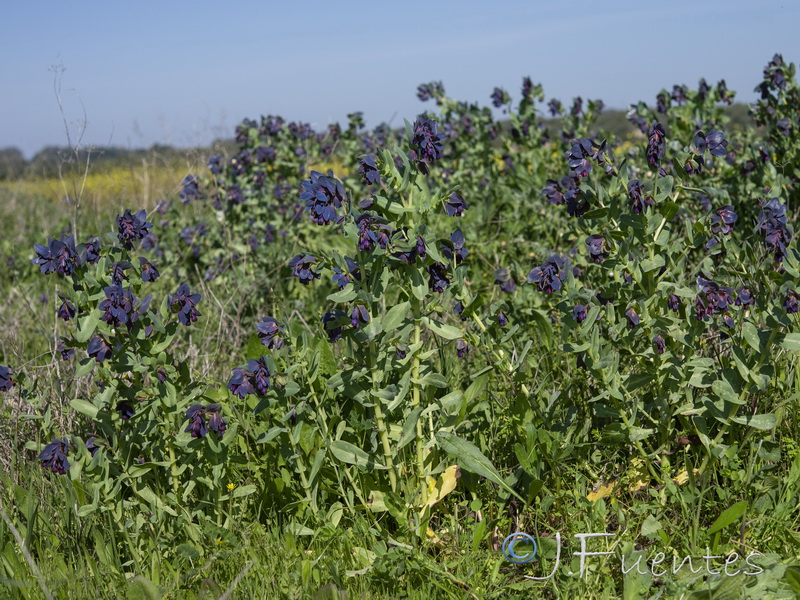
{"x":53,"y":160}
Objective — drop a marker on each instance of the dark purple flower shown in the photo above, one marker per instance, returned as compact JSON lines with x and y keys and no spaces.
{"x":724,"y":95}
{"x":259,"y":375}
{"x":673,"y":303}
{"x":371,"y":231}
{"x":215,"y":421}
{"x":184,"y":303}
{"x":744,"y":297}
{"x":455,"y":205}
{"x":234,"y":195}
{"x":54,"y":456}
{"x":790,"y":303}
{"x":92,"y":250}
{"x":712,"y":299}
{"x":548,"y":277}
{"x":303,"y":264}
{"x":577,"y":107}
{"x":662,"y":102}
{"x":240,"y":383}
{"x":270,"y":333}
{"x":426,"y":143}
{"x":66,"y":311}
{"x":197,"y":422}
{"x":499,"y":97}
{"x":656,"y":143}
{"x":596,"y":245}
{"x":118,"y":272}
{"x":502,"y":319}
{"x":722,"y":220}
{"x":118,"y":305}
{"x":679,"y":94}
{"x":400,"y":351}
{"x":6,"y":382}
{"x":323,"y":194}
{"x":578,"y":157}
{"x":421,"y":247}
{"x":462,"y":348}
{"x":91,"y":445}
{"x":369,"y":170}
{"x":713,"y":142}
{"x":633,"y":318}
{"x":558,"y":192}
{"x":504,"y":279}
{"x":190,"y":189}
{"x":426,"y":91}
{"x":59,"y":256}
{"x":658,"y":341}
{"x":65,"y":351}
{"x":98,"y":348}
{"x":555,"y":107}
{"x":332,"y":323}
{"x":580,"y":312}
{"x":132,"y":227}
{"x":125,"y":410}
{"x":772,"y":224}
{"x":637,"y":195}
{"x":438,"y":278}
{"x":359,"y":315}
{"x":149,"y":272}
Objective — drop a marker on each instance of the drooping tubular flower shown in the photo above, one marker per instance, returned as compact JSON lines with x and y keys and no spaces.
{"x":426,"y":143}
{"x":132,"y":227}
{"x":323,"y":195}
{"x":54,"y":456}
{"x":184,"y":303}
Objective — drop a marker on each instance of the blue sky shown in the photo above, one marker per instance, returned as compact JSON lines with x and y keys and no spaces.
{"x":184,"y":73}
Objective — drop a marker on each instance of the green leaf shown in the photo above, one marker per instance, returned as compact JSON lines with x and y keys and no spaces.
{"x":245,"y":490}
{"x":728,"y":516}
{"x":87,"y":325}
{"x":353,"y":455}
{"x":446,"y":331}
{"x":470,"y":457}
{"x":792,"y":577}
{"x":141,"y":588}
{"x":409,"y":428}
{"x":764,"y":422}
{"x":725,"y":391}
{"x":84,"y":407}
{"x":750,"y":334}
{"x":345,"y":295}
{"x":395,"y":316}
{"x":255,"y":349}
{"x":650,"y":264}
{"x":84,"y":367}
{"x":791,"y":341}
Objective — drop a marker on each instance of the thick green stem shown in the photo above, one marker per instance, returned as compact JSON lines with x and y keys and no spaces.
{"x":379,"y":421}
{"x":415,"y":401}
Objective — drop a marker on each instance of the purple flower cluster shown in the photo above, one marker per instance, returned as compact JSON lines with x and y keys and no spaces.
{"x":503,"y":278}
{"x":722,"y":222}
{"x":438,"y":278}
{"x":118,"y":306}
{"x":713,"y":141}
{"x":455,"y":205}
{"x":302,"y":266}
{"x":564,"y":190}
{"x":270,"y":333}
{"x":772,"y":224}
{"x":371,"y":232}
{"x":426,"y":142}
{"x":500,"y":97}
{"x":583,"y":151}
{"x":638,"y":197}
{"x":54,"y":456}
{"x":190,"y":189}
{"x":656,"y":144}
{"x":59,"y":256}
{"x":98,"y":348}
{"x":596,"y":245}
{"x":132,"y":227}
{"x":255,"y":379}
{"x":426,"y":91}
{"x":368,"y":170}
{"x":184,"y":303}
{"x":323,"y":194}
{"x":6,"y":382}
{"x":549,"y":276}
{"x":713,"y":299}
{"x":202,"y":418}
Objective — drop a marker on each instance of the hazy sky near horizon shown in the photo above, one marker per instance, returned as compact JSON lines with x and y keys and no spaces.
{"x":184,"y":73}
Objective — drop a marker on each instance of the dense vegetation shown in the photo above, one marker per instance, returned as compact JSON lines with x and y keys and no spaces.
{"x":288,"y":381}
